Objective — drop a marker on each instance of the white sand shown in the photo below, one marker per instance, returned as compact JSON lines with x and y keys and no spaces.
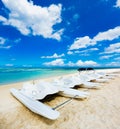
{"x":100,"y":111}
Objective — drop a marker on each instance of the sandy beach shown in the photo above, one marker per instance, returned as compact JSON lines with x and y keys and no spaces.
{"x":100,"y":111}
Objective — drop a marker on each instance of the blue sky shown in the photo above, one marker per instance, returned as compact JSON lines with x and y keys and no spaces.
{"x":60,"y":33}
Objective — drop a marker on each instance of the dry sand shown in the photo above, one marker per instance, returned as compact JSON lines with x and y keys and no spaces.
{"x":100,"y":111}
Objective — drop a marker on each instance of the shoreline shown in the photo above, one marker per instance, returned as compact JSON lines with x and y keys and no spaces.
{"x":37,"y":78}
{"x":101,"y":110}
{"x":57,"y":76}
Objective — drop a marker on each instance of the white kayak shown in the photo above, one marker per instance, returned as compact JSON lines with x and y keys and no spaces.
{"x":67,"y":92}
{"x":39,"y":90}
{"x":35,"y":106}
{"x":91,"y":85}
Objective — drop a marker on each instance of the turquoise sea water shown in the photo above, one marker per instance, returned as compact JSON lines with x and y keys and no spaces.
{"x":13,"y":75}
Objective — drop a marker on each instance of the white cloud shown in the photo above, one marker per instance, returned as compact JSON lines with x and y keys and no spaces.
{"x":108,"y":35}
{"x":54,"y":56}
{"x":89,"y":50}
{"x":82,"y":63}
{"x":106,"y":57}
{"x":3,"y":43}
{"x":33,"y":19}
{"x":93,"y":49}
{"x":117,"y":3}
{"x":5,"y":47}
{"x":3,"y":19}
{"x":113,"y":48}
{"x":77,"y":52}
{"x":83,"y":42}
{"x":57,"y":62}
{"x":86,"y":63}
{"x":70,"y":63}
{"x":60,"y":62}
{"x":69,"y":52}
{"x":6,"y":43}
{"x":85,"y":52}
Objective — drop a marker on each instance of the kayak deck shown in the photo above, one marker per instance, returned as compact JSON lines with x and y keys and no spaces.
{"x":35,"y":106}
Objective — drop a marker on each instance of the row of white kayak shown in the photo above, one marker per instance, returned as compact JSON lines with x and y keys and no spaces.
{"x":29,"y":94}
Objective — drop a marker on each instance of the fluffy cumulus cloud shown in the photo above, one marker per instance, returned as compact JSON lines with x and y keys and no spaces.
{"x":33,"y":19}
{"x":82,"y":63}
{"x":83,"y":42}
{"x":57,"y":62}
{"x":55,"y":55}
{"x":117,"y":3}
{"x":113,"y":48}
{"x":60,"y":62}
{"x":86,"y":63}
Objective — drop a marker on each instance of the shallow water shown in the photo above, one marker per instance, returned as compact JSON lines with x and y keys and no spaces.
{"x":13,"y":75}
